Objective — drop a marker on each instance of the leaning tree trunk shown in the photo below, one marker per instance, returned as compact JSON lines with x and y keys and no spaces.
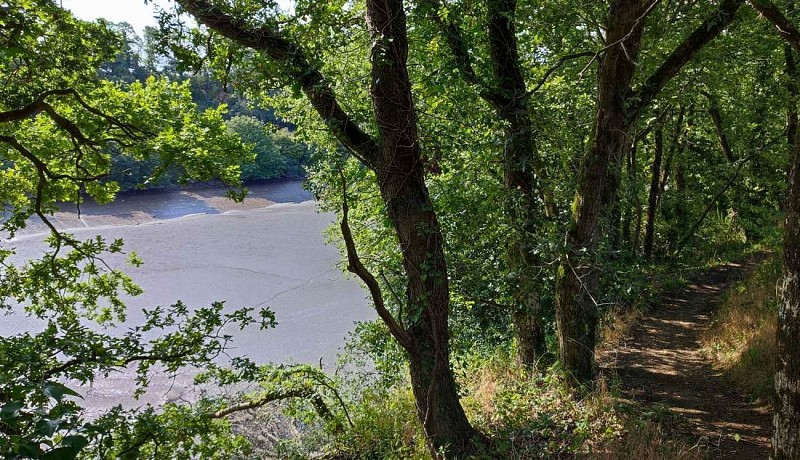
{"x":578,"y":277}
{"x":786,"y":439}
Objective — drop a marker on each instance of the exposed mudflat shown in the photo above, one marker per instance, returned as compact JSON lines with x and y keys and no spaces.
{"x":199,"y":247}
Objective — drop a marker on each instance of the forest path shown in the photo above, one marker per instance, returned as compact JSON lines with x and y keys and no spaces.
{"x":661,"y":363}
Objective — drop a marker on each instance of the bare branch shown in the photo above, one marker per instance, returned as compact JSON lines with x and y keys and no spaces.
{"x":355,"y":266}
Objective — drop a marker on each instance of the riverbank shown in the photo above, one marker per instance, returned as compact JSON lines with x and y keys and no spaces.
{"x":151,"y":205}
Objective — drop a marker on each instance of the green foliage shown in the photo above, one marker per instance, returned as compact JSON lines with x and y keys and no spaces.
{"x":267,"y":162}
{"x":61,"y":128}
{"x":180,"y":105}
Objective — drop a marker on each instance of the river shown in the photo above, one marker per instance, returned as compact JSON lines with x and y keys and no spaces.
{"x":199,"y":247}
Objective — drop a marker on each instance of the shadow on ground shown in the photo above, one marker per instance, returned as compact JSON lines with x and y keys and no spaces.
{"x":661,"y":363}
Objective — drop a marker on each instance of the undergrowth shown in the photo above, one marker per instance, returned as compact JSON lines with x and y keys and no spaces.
{"x":525,"y":414}
{"x":531,"y":414}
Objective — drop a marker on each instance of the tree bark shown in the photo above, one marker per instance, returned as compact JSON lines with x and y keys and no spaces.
{"x":401,"y":180}
{"x":520,"y":170}
{"x":786,"y":438}
{"x":529,"y":202}
{"x":578,"y":278}
{"x":396,"y":159}
{"x":652,"y":202}
{"x":794,"y":93}
{"x":637,"y":200}
{"x":716,"y":118}
{"x":618,"y":107}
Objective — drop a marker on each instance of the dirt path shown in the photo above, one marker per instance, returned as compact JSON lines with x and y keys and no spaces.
{"x":661,"y":363}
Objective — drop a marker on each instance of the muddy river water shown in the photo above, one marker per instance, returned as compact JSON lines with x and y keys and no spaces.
{"x":199,"y":247}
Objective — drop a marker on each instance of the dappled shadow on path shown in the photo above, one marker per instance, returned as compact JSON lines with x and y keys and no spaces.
{"x":661,"y":363}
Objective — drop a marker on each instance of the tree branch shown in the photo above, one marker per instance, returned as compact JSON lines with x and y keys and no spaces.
{"x":713,"y":25}
{"x":278,"y":395}
{"x":716,"y":118}
{"x":714,"y":200}
{"x":641,"y":135}
{"x":786,"y":29}
{"x":355,"y":266}
{"x":296,"y":64}
{"x":673,"y":148}
{"x":40,"y":105}
{"x":561,"y":61}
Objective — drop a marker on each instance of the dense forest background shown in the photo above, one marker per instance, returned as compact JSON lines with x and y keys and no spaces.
{"x":515,"y":182}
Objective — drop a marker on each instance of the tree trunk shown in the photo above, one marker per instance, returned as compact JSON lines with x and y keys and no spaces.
{"x":578,"y":277}
{"x":719,"y":127}
{"x":526,"y":219}
{"x":521,"y":168}
{"x":615,"y":229}
{"x":427,"y":298}
{"x":401,"y":180}
{"x":637,"y":200}
{"x":627,"y":218}
{"x":652,"y":202}
{"x":786,"y":439}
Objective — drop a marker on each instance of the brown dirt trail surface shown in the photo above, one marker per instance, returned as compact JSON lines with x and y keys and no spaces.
{"x":662,"y":363}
